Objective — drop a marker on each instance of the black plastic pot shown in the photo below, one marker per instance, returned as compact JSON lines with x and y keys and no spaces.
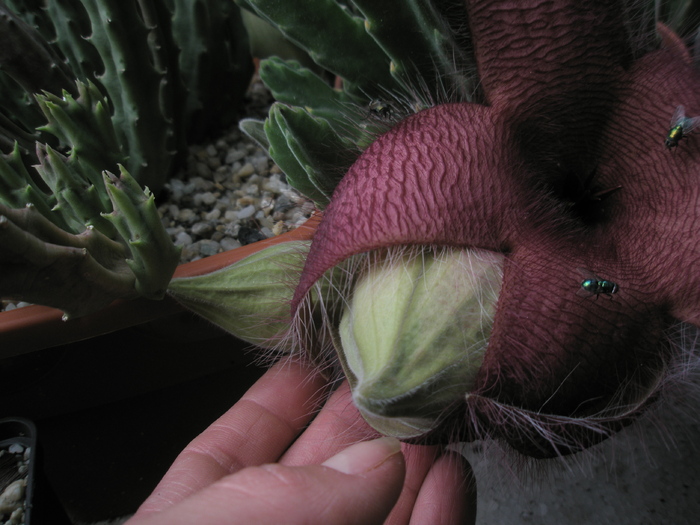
{"x":40,"y":504}
{"x":22,"y":433}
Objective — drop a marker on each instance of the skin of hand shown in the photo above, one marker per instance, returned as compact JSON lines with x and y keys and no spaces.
{"x":274,"y":457}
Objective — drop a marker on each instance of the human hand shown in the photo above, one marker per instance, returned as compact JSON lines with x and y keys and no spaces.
{"x":250,"y":467}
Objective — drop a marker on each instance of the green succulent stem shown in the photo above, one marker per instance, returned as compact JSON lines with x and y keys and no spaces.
{"x":403,"y":56}
{"x":153,"y":255}
{"x":84,"y":125}
{"x":41,"y":263}
{"x":18,"y":189}
{"x":333,"y":37}
{"x":78,"y":199}
{"x":94,"y":87}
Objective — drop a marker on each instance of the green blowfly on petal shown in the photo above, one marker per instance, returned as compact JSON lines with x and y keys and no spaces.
{"x":414,"y":334}
{"x":680,"y":127}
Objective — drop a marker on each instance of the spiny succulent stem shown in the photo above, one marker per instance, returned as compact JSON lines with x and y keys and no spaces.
{"x":43,"y":264}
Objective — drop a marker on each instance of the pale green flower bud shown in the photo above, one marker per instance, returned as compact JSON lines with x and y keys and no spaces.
{"x":414,"y":334}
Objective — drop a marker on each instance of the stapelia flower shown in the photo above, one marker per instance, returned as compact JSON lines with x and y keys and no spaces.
{"x":570,"y":112}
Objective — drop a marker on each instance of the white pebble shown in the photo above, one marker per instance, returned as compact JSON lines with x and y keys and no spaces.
{"x":201,"y":228}
{"x":17,"y":517}
{"x":207,"y":198}
{"x":252,"y":189}
{"x":234,"y":155}
{"x":186,"y":215}
{"x":177,"y":189}
{"x":260,"y":164}
{"x":213,"y":214}
{"x":227,"y":243}
{"x":12,"y":496}
{"x":246,"y":171}
{"x":183,"y":239}
{"x":190,"y":252}
{"x":208,"y":247}
{"x":201,"y":184}
{"x":278,"y":228}
{"x":274,"y":185}
{"x":174,"y":230}
{"x":247,"y":212}
{"x":203,"y":170}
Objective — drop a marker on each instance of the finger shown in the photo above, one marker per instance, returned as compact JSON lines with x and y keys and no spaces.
{"x":357,"y":486}
{"x":337,"y":426}
{"x":419,"y":460}
{"x":448,"y":493}
{"x":256,"y":430}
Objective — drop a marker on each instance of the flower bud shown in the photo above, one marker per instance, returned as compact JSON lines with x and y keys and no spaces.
{"x":414,"y":334}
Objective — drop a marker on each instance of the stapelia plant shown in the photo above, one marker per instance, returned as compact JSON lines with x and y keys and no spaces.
{"x":172,"y":72}
{"x":557,"y":163}
{"x":91,"y":88}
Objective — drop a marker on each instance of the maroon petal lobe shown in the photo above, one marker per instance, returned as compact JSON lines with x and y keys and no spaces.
{"x":556,"y":65}
{"x":554,"y":348}
{"x":569,"y":358}
{"x":531,"y":50}
{"x":440,"y":177}
{"x":654,"y":220}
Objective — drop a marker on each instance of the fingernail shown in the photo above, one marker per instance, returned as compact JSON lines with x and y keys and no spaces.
{"x":364,"y":456}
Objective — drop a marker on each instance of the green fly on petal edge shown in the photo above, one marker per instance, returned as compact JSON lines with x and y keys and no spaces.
{"x":680,"y":127}
{"x":594,"y":285}
{"x":380,"y":109}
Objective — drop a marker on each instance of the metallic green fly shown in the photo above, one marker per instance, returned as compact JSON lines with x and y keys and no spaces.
{"x":680,"y":127}
{"x":381,"y":109}
{"x":594,"y":285}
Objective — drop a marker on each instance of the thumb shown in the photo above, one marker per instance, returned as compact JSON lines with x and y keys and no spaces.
{"x":358,"y":485}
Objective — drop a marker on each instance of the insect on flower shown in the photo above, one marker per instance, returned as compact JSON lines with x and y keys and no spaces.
{"x":680,"y":127}
{"x":594,"y":285}
{"x":381,"y":109}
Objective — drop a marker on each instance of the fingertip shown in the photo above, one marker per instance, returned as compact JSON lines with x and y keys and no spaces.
{"x":448,"y":494}
{"x":365,"y":456}
{"x":467,"y":486}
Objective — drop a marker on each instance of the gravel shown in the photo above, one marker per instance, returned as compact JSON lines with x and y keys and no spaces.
{"x":230,"y":194}
{"x":14,"y":471}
